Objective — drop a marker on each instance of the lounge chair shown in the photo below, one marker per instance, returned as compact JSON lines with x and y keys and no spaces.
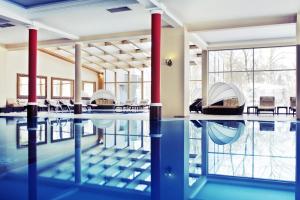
{"x":129,"y":103}
{"x":84,"y":106}
{"x":267,"y":104}
{"x":15,"y":105}
{"x":196,"y":105}
{"x":292,"y":107}
{"x":144,"y":104}
{"x":66,"y":105}
{"x":266,"y":126}
{"x":53,"y":105}
{"x":42,"y":106}
{"x":126,"y":105}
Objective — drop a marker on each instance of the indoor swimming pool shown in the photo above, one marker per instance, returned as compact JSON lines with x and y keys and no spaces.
{"x":65,"y":158}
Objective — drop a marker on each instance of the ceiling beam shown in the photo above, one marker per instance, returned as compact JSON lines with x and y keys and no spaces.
{"x":89,"y":61}
{"x":241,"y":23}
{"x":120,"y":52}
{"x":85,"y":39}
{"x":45,"y":43}
{"x":109,"y":62}
{"x":103,"y":60}
{"x":111,"y":68}
{"x":145,"y":51}
{"x":196,"y":39}
{"x":253,"y":44}
{"x":131,"y":54}
{"x":298,"y":29}
{"x":56,"y":55}
{"x":54,"y":30}
{"x":115,"y":36}
{"x":111,"y":54}
{"x":167,"y":16}
{"x":193,"y":63}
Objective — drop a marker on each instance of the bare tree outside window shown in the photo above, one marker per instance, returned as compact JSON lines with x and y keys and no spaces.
{"x":257,"y":72}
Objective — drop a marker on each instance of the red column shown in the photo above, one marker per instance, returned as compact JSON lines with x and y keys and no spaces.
{"x":155,"y":108}
{"x":32,"y":66}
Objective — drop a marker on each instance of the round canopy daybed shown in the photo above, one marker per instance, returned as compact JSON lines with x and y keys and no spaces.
{"x":224,"y":99}
{"x":103,"y":99}
{"x":225,"y":132}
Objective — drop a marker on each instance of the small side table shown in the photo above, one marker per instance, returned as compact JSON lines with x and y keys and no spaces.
{"x":254,"y":108}
{"x":282,"y":107}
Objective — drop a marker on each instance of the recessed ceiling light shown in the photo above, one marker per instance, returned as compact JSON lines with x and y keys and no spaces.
{"x":119,"y":9}
{"x":6,"y":25}
{"x":3,"y":21}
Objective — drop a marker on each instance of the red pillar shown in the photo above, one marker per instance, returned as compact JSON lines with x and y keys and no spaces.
{"x":32,"y":66}
{"x":155,"y":108}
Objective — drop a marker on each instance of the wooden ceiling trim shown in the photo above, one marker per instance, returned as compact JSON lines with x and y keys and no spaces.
{"x":66,"y":59}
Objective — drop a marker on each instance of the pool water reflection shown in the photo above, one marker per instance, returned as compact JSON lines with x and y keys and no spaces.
{"x":180,"y":159}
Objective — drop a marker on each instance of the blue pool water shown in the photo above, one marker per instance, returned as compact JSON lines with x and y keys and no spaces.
{"x":54,"y":158}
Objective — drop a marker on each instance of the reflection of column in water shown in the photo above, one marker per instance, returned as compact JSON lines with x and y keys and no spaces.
{"x":204,"y":148}
{"x":32,"y":158}
{"x":169,"y":159}
{"x":78,"y":132}
{"x":297,"y":193}
{"x":155,"y":134}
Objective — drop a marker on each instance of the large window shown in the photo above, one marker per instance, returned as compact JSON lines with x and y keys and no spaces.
{"x":133,"y":84}
{"x":22,"y":86}
{"x":195,"y":82}
{"x":195,"y":73}
{"x":88,"y":89}
{"x":122,"y":85}
{"x":146,"y":86}
{"x":62,"y":88}
{"x":257,"y":72}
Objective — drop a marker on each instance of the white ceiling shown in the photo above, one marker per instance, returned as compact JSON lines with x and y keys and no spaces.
{"x":94,"y":20}
{"x":19,"y":34}
{"x":195,"y":12}
{"x":87,"y":20}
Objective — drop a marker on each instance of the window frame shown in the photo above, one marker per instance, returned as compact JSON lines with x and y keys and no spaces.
{"x":115,"y":82}
{"x":19,"y":96}
{"x":82,"y":85}
{"x":253,"y":70}
{"x":44,"y":132}
{"x":60,"y":95}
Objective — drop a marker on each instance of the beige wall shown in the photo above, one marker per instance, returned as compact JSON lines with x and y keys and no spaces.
{"x":17,"y":62}
{"x":205,"y":77}
{"x":174,"y":79}
{"x":298,"y":67}
{"x":2,"y":75}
